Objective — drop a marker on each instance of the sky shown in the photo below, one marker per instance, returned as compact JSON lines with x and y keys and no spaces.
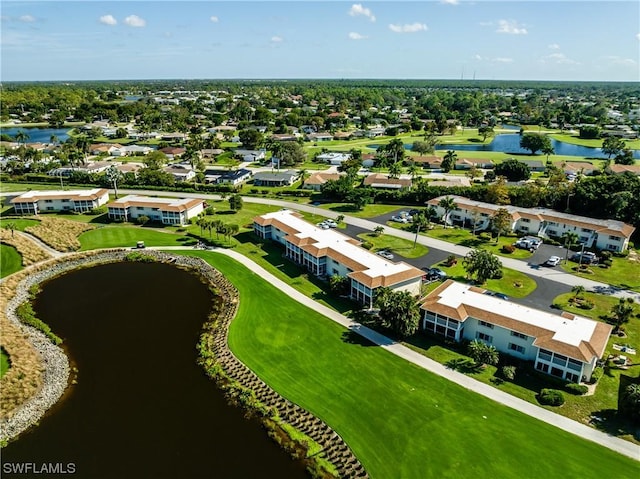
{"x":439,"y":39}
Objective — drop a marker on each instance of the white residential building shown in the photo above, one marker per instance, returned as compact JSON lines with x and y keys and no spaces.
{"x":169,"y":211}
{"x":325,"y":252}
{"x":34,"y":202}
{"x":565,"y":346}
{"x":603,"y":234}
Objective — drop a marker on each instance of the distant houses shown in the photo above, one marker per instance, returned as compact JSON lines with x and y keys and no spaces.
{"x":275,"y":178}
{"x":382,"y":181}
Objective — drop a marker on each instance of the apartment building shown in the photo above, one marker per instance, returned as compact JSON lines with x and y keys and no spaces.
{"x":80,"y":201}
{"x":168,"y":211}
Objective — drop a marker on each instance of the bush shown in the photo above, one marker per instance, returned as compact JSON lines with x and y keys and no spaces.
{"x":596,"y":375}
{"x":508,"y":249}
{"x":100,"y":210}
{"x":551,"y":397}
{"x":577,"y":389}
{"x":509,"y":372}
{"x":367,"y":244}
{"x":586,"y":304}
{"x":484,"y":236}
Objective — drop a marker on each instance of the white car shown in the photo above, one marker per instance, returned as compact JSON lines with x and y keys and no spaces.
{"x":323,"y":226}
{"x":553,"y":261}
{"x":330,"y":223}
{"x":385,"y":254}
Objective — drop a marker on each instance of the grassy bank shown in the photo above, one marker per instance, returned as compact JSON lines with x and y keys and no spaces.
{"x":10,"y":260}
{"x":431,"y":427}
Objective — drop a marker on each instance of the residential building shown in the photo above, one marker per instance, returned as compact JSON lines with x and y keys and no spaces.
{"x":227,"y":177}
{"x":604,"y":234}
{"x":578,"y":168}
{"x":427,"y":162}
{"x":320,"y":136}
{"x":468,"y":163}
{"x":325,"y":252}
{"x":619,"y":169}
{"x":275,"y":178}
{"x":333,"y":158}
{"x":534,"y":165}
{"x":80,"y":201}
{"x":566,"y":346}
{"x":250,"y":155}
{"x":168,"y":211}
{"x":382,"y":181}
{"x":180,"y":173}
{"x":316,"y":180}
{"x":173,"y":151}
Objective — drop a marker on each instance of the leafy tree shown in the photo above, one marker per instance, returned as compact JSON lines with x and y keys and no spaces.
{"x":501,"y":222}
{"x":399,"y":311}
{"x":548,"y":150}
{"x":534,"y":142}
{"x":449,"y":161}
{"x":22,"y":137}
{"x":448,"y":204}
{"x":378,"y":230}
{"x":612,"y":146}
{"x":498,"y":193}
{"x":339,"y":285}
{"x":250,"y":138}
{"x":339,"y":219}
{"x":589,"y":132}
{"x":473,"y":173}
{"x":630,"y":403}
{"x":625,"y":157}
{"x":485,"y":131}
{"x":143,"y":220}
{"x":292,"y":153}
{"x":155,"y":160}
{"x":483,"y":265}
{"x":621,"y":313}
{"x":422,"y":147}
{"x":114,"y":175}
{"x":360,"y":197}
{"x":482,"y":353}
{"x":235,"y":202}
{"x":513,"y":170}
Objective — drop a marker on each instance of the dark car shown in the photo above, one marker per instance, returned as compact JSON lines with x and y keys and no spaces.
{"x":502,"y":296}
{"x":436,"y":274}
{"x":585,"y":258}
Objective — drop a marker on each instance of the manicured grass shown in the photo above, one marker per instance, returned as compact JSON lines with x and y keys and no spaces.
{"x":398,"y":246}
{"x":369,"y":211}
{"x":623,"y":273}
{"x":574,"y":139}
{"x":505,"y":285}
{"x":19,"y":224}
{"x":10,"y":260}
{"x":128,"y":236}
{"x":5,"y":363}
{"x":7,"y":187}
{"x":466,"y":238}
{"x":400,"y":420}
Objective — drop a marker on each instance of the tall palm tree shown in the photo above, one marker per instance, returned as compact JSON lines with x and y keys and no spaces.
{"x":395,"y":169}
{"x":450,"y":159}
{"x":570,"y":238}
{"x":413,"y":170}
{"x":22,"y":137}
{"x":548,"y":150}
{"x":578,"y":291}
{"x":54,"y":139}
{"x":447,"y":204}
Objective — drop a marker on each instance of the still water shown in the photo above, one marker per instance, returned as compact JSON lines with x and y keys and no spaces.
{"x":142,"y":407}
{"x":39,"y":135}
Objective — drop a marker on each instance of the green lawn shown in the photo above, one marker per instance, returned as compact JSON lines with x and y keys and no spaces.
{"x":128,"y":236}
{"x":5,"y":363}
{"x":396,"y":245}
{"x":10,"y":260}
{"x":400,"y":420}
{"x":505,"y":285}
{"x":595,"y":143}
{"x":466,"y":238}
{"x":18,"y":223}
{"x":7,"y":187}
{"x":624,"y":273}
{"x":369,"y":211}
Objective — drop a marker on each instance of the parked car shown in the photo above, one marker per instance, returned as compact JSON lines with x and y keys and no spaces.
{"x":385,"y":254}
{"x":436,"y":274}
{"x":553,"y":261}
{"x":497,"y":295}
{"x":323,"y":226}
{"x":400,"y":219}
{"x":528,"y":242}
{"x":586,"y":257}
{"x":331,"y":223}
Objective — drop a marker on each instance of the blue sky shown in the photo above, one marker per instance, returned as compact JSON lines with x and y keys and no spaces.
{"x":448,"y":39}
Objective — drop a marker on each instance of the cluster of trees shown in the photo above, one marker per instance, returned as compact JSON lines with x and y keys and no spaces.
{"x":399,"y":311}
{"x":218,"y":226}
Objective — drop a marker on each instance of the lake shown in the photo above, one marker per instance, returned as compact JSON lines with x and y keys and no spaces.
{"x":39,"y":135}
{"x":142,"y":407}
{"x":510,"y":143}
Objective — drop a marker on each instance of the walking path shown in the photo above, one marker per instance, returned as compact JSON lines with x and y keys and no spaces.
{"x":53,"y":252}
{"x":619,"y":445}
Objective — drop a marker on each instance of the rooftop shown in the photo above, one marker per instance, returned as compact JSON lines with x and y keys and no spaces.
{"x":31,"y":196}
{"x":168,"y":204}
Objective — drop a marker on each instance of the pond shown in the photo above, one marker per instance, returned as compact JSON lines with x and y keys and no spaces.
{"x":39,"y":135}
{"x":142,"y":407}
{"x":510,"y":143}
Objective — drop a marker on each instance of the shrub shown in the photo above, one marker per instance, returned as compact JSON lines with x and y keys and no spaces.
{"x":509,"y":372}
{"x":577,"y":389}
{"x":367,"y":244}
{"x":100,"y":210}
{"x":210,"y":210}
{"x":551,"y":397}
{"x":484,"y":236}
{"x":596,"y":375}
{"x":508,"y":249}
{"x":27,"y":315}
{"x":586,"y":304}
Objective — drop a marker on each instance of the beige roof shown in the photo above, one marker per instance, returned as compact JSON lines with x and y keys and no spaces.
{"x":574,"y":336}
{"x":321,"y":178}
{"x":615,"y":168}
{"x":380,"y":179}
{"x":164,"y":204}
{"x":34,"y":196}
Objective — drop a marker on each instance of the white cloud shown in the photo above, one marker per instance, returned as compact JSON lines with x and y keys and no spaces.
{"x":357,"y":9}
{"x":277,"y":39}
{"x":356,"y":36}
{"x":108,"y":20}
{"x":27,"y":18}
{"x":135,"y":21}
{"x":450,"y":2}
{"x":493,"y":60}
{"x":408,"y":27}
{"x":638,"y":36}
{"x":615,"y":60}
{"x":559,"y":59}
{"x":511,"y":27}
{"x":553,"y":46}
{"x":213,"y":18}
{"x":477,"y":57}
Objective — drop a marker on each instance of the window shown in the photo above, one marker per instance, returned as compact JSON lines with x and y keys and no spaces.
{"x":585,"y":230}
{"x":614,"y":238}
{"x":517,"y":348}
{"x":48,"y":201}
{"x":484,"y":337}
{"x":542,"y":367}
{"x":485,"y":324}
{"x":526,"y":220}
{"x":612,"y":247}
{"x":516,"y":334}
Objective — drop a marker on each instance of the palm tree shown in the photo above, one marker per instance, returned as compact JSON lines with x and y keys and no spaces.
{"x":449,"y":160}
{"x":578,"y":290}
{"x":395,"y":169}
{"x":447,"y":204}
{"x":413,"y":170}
{"x":113,"y":175}
{"x":621,"y":313}
{"x":22,"y":137}
{"x":548,"y":150}
{"x":378,"y":230}
{"x":570,"y":238}
{"x":54,"y":139}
